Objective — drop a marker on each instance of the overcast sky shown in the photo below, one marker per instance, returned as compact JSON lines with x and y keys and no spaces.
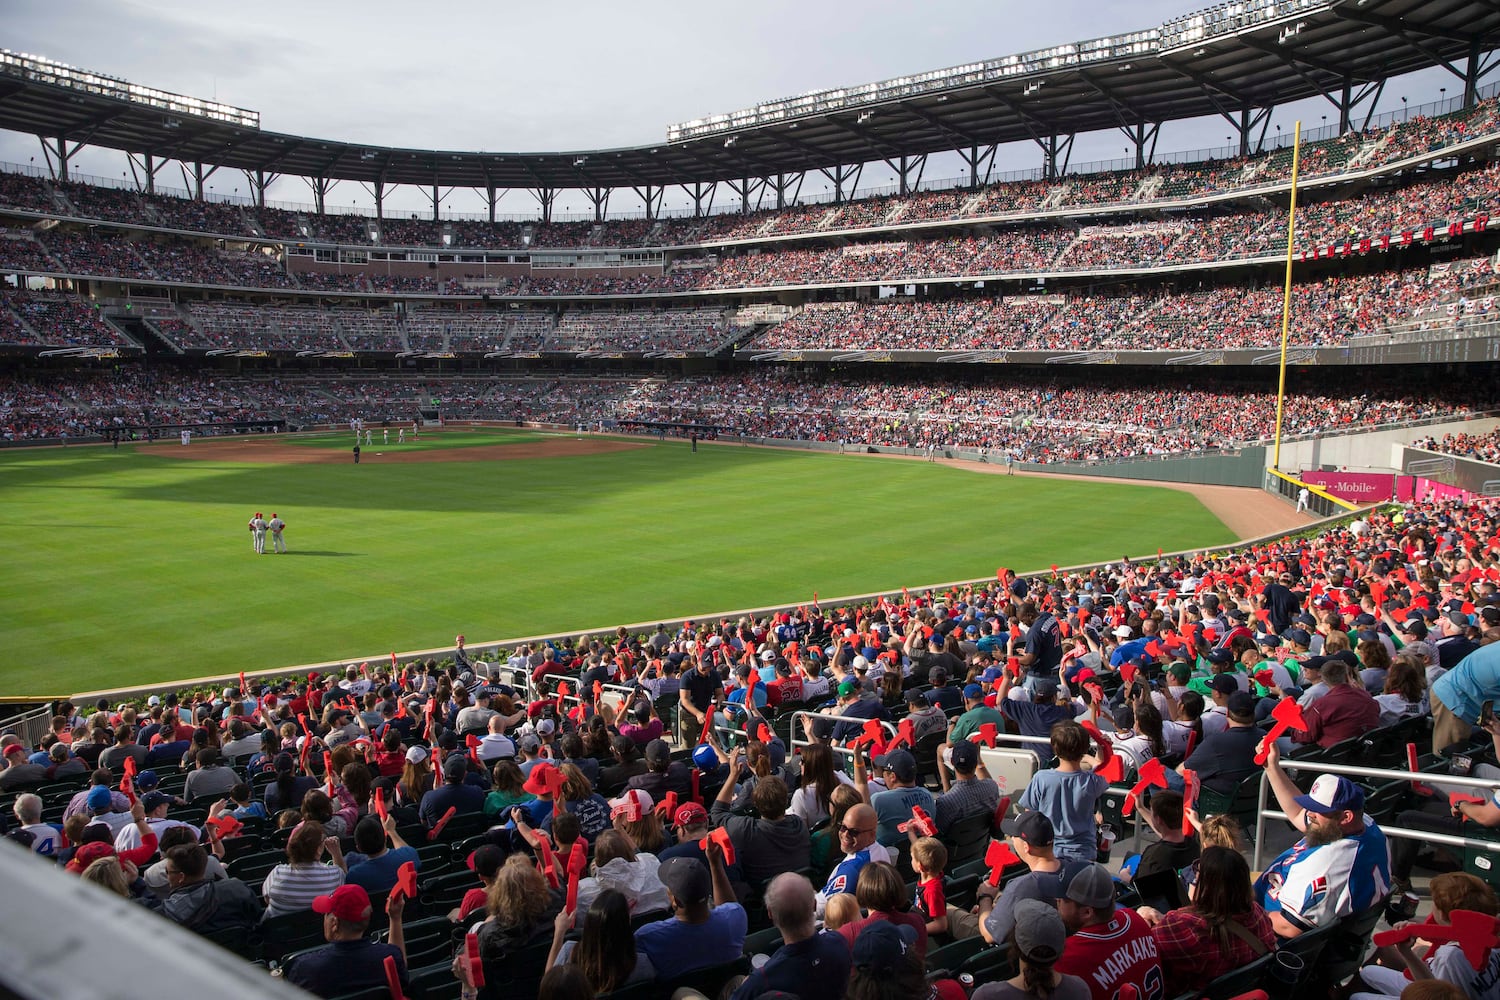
{"x":461,"y":74}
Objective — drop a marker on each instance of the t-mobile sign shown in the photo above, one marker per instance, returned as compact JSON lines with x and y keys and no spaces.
{"x":1358,"y":487}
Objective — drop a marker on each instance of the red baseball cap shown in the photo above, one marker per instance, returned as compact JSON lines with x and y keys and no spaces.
{"x":349,"y":903}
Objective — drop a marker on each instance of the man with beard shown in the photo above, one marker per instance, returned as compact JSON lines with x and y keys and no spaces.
{"x":1340,"y":866}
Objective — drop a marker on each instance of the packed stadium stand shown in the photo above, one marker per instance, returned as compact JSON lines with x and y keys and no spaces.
{"x":1075,"y":320}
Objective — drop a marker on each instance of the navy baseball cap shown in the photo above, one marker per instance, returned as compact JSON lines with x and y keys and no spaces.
{"x":973,"y":692}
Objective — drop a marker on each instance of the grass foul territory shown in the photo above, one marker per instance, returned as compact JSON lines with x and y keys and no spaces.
{"x":137,"y":565}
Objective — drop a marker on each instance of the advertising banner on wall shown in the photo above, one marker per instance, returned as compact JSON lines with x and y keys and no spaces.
{"x":1356,"y":487}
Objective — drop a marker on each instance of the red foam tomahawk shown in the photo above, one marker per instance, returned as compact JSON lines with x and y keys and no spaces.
{"x":919,"y":821}
{"x":328,"y":771}
{"x":903,"y":736}
{"x":471,"y":956}
{"x":998,"y":858}
{"x":223,"y":827}
{"x":720,"y":836}
{"x":406,"y":881}
{"x":244,"y":690}
{"x":764,"y":734}
{"x":1111,"y":766}
{"x":873,"y":736}
{"x":127,"y":783}
{"x":437,"y":828}
{"x":548,"y":860}
{"x":393,"y":978}
{"x":472,"y":743}
{"x":562,"y":692}
{"x":708,"y":723}
{"x":1411,"y":765}
{"x":667,"y":807}
{"x":1191,"y":787}
{"x":1151,"y":773}
{"x":577,"y":862}
{"x":987,"y":734}
{"x":1475,"y":933}
{"x":1288,"y":716}
{"x":1454,"y":798}
{"x":380,"y":809}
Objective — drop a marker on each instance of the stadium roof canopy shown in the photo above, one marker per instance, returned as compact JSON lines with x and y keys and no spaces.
{"x":1233,"y":59}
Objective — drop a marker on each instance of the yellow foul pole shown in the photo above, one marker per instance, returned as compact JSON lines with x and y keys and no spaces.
{"x":1286,"y":297}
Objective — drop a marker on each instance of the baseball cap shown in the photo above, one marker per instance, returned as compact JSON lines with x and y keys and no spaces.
{"x":546,"y":727}
{"x":900,"y":762}
{"x":686,"y":878}
{"x":1224,"y":684}
{"x":1220,"y":655}
{"x":1415,"y":626}
{"x":530,"y":743}
{"x":635,"y":802}
{"x":146,"y":780}
{"x":1332,"y":793}
{"x":1299,"y":635}
{"x":99,"y":798}
{"x":1084,"y":882}
{"x":13,"y":748}
{"x":690,"y":814}
{"x":881,"y":946}
{"x":455,"y":767}
{"x":1313,"y":663}
{"x":1122,"y":632}
{"x":965,"y":755}
{"x":536,"y":781}
{"x":485,"y":860}
{"x":1179,"y":671}
{"x":1364,"y":620}
{"x":1241,"y":706}
{"x":1040,"y":934}
{"x":1044,"y":689}
{"x":1033,"y":827}
{"x":915,"y":696}
{"x":847,"y":688}
{"x":153,"y":701}
{"x":658,"y":751}
{"x":153,"y":800}
{"x":415,"y":755}
{"x":348,"y":902}
{"x":973,"y":692}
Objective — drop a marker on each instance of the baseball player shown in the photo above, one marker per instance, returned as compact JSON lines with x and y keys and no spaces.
{"x":401,"y":435}
{"x":385,"y":436}
{"x":277,"y":525}
{"x":369,"y":439}
{"x":258,"y":533}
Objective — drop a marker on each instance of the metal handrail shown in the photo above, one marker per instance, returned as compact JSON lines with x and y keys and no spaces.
{"x":1263,"y":813}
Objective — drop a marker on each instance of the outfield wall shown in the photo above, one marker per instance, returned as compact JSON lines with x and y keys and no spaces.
{"x":1372,"y":451}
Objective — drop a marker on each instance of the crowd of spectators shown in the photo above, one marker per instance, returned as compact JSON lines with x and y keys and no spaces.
{"x":646,"y":809}
{"x":1369,"y":222}
{"x":1042,"y":422}
{"x":1122,"y":189}
{"x":1483,"y":447}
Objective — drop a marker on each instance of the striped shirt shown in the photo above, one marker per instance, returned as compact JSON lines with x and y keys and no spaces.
{"x":290,"y":888}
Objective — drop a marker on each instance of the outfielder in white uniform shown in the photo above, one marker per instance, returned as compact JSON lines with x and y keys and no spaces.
{"x":277,"y":525}
{"x":258,"y":533}
{"x":385,"y":436}
{"x":401,"y":436}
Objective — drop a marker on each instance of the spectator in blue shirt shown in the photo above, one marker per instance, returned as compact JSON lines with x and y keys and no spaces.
{"x":372,"y":864}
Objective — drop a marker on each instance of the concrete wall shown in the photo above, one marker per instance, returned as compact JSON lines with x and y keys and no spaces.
{"x":1373,"y":451}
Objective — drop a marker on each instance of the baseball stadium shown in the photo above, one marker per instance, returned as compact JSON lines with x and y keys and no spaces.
{"x":1076,"y":581}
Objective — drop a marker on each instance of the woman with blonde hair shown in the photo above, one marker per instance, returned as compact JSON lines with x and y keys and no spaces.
{"x":521,"y":909}
{"x":109,"y":873}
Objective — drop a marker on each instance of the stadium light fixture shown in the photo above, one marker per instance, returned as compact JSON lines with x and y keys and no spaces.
{"x":1188,"y":32}
{"x":40,"y":69}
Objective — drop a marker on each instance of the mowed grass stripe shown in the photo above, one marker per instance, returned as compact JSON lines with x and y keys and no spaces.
{"x":129,"y":568}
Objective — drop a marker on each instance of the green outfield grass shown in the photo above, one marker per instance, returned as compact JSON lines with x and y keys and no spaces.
{"x":126,"y":567}
{"x":457,"y":438}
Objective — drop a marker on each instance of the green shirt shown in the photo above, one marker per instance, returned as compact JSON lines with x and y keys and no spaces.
{"x":968,"y":723}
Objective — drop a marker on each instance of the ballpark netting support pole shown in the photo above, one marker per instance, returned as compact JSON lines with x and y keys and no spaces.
{"x":1286,"y":296}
